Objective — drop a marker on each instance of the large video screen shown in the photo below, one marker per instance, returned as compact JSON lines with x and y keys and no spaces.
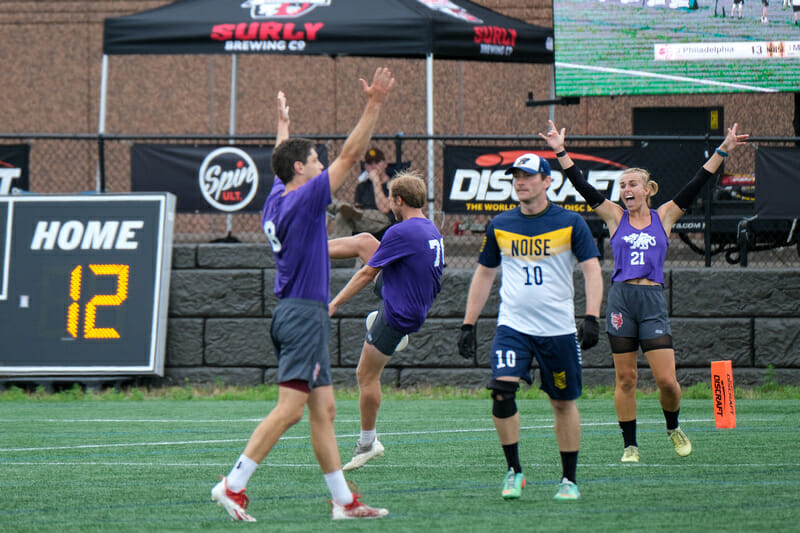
{"x":637,"y":47}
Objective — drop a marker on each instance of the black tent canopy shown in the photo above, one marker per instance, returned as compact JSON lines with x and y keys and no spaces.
{"x":447,"y":29}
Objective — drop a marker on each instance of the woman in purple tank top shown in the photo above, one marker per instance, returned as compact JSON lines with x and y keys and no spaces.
{"x":636,"y":311}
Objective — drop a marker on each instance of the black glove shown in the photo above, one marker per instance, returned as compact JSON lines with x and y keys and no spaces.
{"x":588,"y":332}
{"x":467,"y":342}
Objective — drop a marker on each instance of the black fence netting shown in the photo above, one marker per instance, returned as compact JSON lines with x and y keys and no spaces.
{"x":467,"y":186}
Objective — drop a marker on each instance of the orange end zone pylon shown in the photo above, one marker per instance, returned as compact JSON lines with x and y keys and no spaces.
{"x":722,"y":388}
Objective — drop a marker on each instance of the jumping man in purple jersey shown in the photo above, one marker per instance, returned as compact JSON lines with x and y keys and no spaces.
{"x":636,"y":312}
{"x":410,"y":259}
{"x":294,"y":221}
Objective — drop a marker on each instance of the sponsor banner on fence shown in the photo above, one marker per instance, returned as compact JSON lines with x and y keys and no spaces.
{"x":777,"y":182}
{"x":14,"y":167}
{"x":475,"y":179}
{"x":205,"y":178}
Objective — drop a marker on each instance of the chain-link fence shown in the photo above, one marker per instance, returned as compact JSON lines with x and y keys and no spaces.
{"x":719,"y":230}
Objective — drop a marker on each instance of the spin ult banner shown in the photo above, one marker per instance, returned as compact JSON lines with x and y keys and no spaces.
{"x":205,"y":179}
{"x":14,"y":167}
{"x":475,"y":179}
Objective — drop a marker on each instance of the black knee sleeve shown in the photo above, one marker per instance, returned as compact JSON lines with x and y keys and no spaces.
{"x":503,"y":394}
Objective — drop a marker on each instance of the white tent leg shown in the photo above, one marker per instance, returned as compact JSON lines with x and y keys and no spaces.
{"x":101,"y":123}
{"x":429,"y":99}
{"x":232,"y":129}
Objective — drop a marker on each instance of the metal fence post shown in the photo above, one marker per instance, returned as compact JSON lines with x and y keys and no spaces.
{"x":101,"y":163}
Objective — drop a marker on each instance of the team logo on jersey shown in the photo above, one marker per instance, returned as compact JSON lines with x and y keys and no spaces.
{"x":449,"y":8}
{"x":228,"y":178}
{"x":640,"y":241}
{"x":616,"y":320}
{"x":262,"y":9}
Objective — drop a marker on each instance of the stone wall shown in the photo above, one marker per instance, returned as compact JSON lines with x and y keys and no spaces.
{"x":221,"y":305}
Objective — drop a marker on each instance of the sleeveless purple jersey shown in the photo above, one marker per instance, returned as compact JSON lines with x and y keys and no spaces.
{"x":639,"y":253}
{"x":411,"y":257}
{"x":296,"y":229}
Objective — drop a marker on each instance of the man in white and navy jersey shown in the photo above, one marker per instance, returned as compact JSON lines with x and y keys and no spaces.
{"x":537,"y":245}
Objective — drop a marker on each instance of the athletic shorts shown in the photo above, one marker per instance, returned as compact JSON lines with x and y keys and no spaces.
{"x":637,"y":311}
{"x":300,"y":331}
{"x":559,"y":359}
{"x":383,"y":336}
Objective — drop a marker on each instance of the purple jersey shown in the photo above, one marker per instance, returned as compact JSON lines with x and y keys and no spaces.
{"x":639,"y":253}
{"x":296,"y":228}
{"x":411,"y":257}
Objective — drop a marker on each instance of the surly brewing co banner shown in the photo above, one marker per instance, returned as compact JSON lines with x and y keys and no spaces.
{"x":14,"y":167}
{"x":205,"y":178}
{"x":475,"y":179}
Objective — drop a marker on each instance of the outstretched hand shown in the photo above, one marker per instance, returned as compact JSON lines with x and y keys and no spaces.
{"x":382,"y":83}
{"x":733,"y":139}
{"x":283,"y":109}
{"x":554,"y":137}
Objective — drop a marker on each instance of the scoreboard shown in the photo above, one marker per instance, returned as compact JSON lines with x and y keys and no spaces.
{"x":84,"y":283}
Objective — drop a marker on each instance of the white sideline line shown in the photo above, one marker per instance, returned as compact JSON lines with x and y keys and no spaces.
{"x":222,"y":441}
{"x":645,"y":74}
{"x":408,"y":465}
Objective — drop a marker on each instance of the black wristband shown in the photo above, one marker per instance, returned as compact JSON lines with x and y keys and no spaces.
{"x":562,"y":153}
{"x":590,"y":318}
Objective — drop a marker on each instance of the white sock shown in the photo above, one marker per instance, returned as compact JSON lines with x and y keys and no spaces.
{"x":367,"y":436}
{"x":340,"y":492}
{"x":241,"y":472}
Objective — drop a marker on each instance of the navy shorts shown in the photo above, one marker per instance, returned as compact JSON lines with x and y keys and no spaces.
{"x":383,"y":336}
{"x":559,"y":359}
{"x":300,"y":331}
{"x":637,"y":311}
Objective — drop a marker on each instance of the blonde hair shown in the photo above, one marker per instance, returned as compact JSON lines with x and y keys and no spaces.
{"x":408,"y":185}
{"x":650,"y":184}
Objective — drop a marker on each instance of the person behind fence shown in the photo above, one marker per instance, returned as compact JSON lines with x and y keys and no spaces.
{"x":409,"y":261}
{"x":636,"y":311}
{"x":371,"y":212}
{"x":294,"y":220}
{"x":536,"y":245}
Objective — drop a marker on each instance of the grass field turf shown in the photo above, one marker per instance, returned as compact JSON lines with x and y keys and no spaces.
{"x":607,"y":49}
{"x":149,"y":466}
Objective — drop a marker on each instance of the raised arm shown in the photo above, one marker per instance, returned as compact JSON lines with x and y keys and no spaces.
{"x":356,"y":143}
{"x":610,"y":212}
{"x":283,"y":119}
{"x":671,"y":211}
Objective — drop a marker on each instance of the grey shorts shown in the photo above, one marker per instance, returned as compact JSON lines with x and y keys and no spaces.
{"x":383,"y":336}
{"x":637,"y":311}
{"x":300,"y":331}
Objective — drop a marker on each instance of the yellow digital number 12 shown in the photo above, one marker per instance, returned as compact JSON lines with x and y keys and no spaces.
{"x":90,"y":310}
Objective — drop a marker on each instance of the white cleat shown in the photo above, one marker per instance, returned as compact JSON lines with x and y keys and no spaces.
{"x":234,"y":503}
{"x":363,"y":454}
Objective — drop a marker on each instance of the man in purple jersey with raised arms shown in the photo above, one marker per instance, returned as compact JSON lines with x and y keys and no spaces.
{"x":294,"y":221}
{"x":410,"y":259}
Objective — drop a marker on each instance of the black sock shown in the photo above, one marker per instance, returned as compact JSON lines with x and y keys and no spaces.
{"x":628,"y":432}
{"x":512,"y":456}
{"x":569,"y":465}
{"x":671,"y":418}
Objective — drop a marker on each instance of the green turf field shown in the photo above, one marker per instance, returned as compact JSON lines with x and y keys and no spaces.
{"x":604,"y":48}
{"x":149,"y":466}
